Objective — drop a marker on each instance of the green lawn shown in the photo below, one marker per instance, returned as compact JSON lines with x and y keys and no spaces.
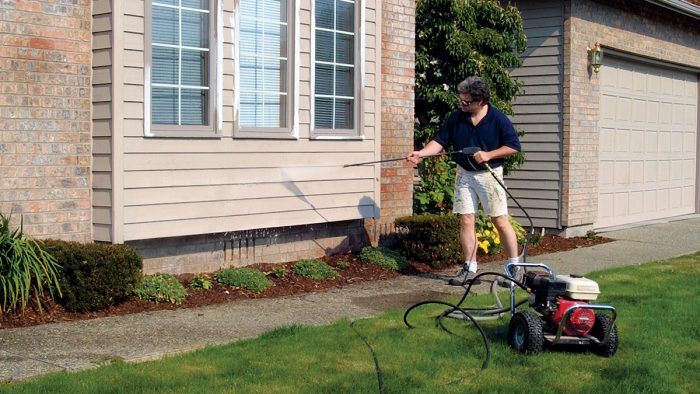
{"x":659,"y":352}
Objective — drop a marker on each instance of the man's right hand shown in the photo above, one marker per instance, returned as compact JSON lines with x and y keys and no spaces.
{"x":415,"y":157}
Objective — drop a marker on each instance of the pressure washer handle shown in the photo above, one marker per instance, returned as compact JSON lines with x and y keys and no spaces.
{"x":471,"y":151}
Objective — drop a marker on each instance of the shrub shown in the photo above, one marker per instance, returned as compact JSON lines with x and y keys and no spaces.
{"x":244,"y":278}
{"x":433,"y":239}
{"x":383,"y":257}
{"x":200,"y":282}
{"x":161,"y":288}
{"x":535,"y":239}
{"x":25,"y":268}
{"x":591,"y":235}
{"x":279,"y":272}
{"x":95,"y":276}
{"x":342,"y":264}
{"x":314,"y":269}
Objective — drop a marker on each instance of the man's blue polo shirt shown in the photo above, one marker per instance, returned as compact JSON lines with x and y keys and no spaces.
{"x":494,"y":131}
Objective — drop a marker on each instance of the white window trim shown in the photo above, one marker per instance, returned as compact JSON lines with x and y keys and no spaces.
{"x":292,"y":130}
{"x":215,"y":126}
{"x":357,"y":133}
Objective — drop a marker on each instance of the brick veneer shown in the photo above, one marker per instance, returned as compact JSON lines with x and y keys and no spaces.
{"x":45,"y":72}
{"x":208,"y":253}
{"x":629,"y":26}
{"x":398,"y":83}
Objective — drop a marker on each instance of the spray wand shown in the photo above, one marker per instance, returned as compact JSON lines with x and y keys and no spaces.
{"x":466,"y":151}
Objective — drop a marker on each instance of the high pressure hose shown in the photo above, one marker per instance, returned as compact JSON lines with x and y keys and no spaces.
{"x":469,"y":313}
{"x":380,"y":376}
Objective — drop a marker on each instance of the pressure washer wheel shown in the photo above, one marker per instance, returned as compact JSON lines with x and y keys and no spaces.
{"x":600,"y":328}
{"x":525,"y":332}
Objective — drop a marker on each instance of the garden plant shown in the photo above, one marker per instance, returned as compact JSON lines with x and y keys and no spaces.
{"x":161,"y":288}
{"x":244,"y":278}
{"x":314,"y":269}
{"x":26,"y":269}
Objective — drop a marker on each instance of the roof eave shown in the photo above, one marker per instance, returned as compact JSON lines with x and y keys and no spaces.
{"x":680,"y":6}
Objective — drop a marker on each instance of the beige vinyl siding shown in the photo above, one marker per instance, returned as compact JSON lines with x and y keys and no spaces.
{"x":101,"y":120}
{"x":538,"y":112}
{"x":187,"y":186}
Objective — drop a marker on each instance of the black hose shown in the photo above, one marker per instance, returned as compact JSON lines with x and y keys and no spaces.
{"x":471,"y":283}
{"x":468,"y":312}
{"x":380,"y":377}
{"x":454,"y":308}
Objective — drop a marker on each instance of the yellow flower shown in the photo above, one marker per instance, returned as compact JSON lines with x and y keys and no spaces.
{"x":484,"y":245}
{"x":487,"y":232}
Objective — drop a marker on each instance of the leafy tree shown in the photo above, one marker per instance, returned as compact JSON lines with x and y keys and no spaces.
{"x":456,"y":39}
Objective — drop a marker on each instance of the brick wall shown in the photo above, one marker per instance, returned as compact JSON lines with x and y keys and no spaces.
{"x":208,"y":253}
{"x":45,"y":58}
{"x":398,"y":83}
{"x":630,"y":26}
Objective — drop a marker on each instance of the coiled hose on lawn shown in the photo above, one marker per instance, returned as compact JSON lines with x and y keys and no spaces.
{"x":471,"y":314}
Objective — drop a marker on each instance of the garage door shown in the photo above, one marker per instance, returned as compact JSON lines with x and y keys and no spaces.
{"x":648,"y":143}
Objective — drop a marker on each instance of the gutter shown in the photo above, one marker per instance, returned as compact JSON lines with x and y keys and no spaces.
{"x":680,"y":6}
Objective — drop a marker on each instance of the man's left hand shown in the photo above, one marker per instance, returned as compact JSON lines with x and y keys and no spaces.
{"x":482,"y":157}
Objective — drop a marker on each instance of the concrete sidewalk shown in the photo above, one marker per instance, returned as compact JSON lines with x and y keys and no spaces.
{"x":32,"y":351}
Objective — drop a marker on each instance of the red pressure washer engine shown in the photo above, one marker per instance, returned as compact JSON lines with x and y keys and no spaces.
{"x":565,"y":315}
{"x":553,"y":296}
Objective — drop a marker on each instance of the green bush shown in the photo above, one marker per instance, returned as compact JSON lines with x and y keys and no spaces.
{"x":161,"y":288}
{"x":278,"y":272}
{"x":200,"y":282}
{"x":314,"y":269}
{"x":342,"y":264}
{"x":95,"y":276}
{"x":383,"y":257}
{"x":432,"y":239}
{"x":25,"y":268}
{"x":244,"y":278}
{"x":591,"y":235}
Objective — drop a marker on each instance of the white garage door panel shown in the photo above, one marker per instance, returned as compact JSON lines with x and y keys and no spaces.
{"x":648,"y":143}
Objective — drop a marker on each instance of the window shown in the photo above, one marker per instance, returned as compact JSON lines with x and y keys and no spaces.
{"x":335,"y":68}
{"x":182,"y":68}
{"x":265,"y":94}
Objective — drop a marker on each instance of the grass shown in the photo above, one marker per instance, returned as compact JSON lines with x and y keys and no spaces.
{"x":659,"y":350}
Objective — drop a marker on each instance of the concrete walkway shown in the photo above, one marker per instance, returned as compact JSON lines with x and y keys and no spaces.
{"x":32,"y":351}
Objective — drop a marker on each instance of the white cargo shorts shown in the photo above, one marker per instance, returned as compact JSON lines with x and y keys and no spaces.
{"x":472,"y":187}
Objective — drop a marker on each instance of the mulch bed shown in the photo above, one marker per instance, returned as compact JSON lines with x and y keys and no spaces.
{"x":291,"y":284}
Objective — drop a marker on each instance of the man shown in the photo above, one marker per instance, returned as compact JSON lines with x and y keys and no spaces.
{"x":477,"y":124}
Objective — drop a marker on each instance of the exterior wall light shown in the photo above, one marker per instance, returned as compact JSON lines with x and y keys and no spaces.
{"x":595,"y":57}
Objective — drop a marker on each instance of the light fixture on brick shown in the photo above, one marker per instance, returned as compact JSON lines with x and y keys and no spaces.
{"x":595,"y":57}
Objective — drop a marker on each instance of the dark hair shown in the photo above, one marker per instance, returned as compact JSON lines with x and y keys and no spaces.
{"x":475,"y":87}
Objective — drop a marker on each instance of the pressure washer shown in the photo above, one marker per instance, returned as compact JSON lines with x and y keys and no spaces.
{"x":563,"y":312}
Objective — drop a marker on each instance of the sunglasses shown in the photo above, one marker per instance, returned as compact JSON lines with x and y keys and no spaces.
{"x":467,"y":103}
